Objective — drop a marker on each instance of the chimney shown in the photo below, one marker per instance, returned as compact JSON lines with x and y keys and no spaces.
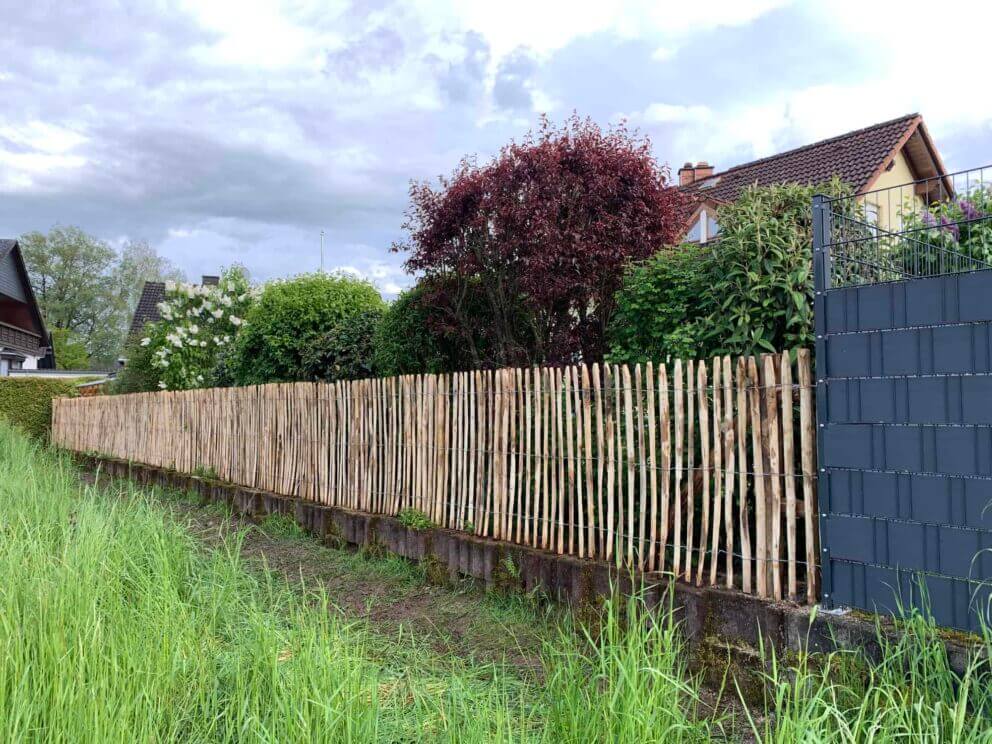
{"x":703,"y":170}
{"x":690,"y":173}
{"x":210,"y":281}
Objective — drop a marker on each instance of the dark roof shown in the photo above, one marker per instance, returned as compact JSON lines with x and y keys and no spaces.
{"x":147,"y":310}
{"x":856,"y":157}
{"x":6,"y":246}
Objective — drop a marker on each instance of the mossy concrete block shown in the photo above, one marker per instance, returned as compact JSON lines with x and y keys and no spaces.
{"x":715,"y":621}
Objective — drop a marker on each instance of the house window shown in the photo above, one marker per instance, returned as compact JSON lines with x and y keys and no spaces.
{"x":703,"y":229}
{"x":712,"y":229}
{"x":695,"y":232}
{"x":871,"y":216}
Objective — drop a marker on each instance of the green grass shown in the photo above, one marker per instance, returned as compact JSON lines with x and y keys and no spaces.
{"x":116,"y":624}
{"x":911,"y":694}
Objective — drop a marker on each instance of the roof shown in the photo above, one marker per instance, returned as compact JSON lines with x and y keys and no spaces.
{"x":7,"y":246}
{"x":856,"y":158}
{"x":152,"y":293}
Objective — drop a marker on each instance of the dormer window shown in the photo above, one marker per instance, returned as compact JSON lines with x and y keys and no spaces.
{"x":704,"y":228}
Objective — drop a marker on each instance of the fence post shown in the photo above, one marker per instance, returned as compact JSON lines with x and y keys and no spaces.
{"x":821,"y":284}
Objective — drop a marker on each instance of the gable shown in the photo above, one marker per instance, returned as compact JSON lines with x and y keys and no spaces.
{"x":10,"y":279}
{"x":18,"y":307}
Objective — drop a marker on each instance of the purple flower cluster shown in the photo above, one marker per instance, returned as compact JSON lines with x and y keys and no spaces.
{"x":930,"y":220}
{"x":951,"y":227}
{"x":968,"y":209}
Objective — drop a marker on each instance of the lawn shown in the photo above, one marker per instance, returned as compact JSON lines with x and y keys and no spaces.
{"x":133,"y":615}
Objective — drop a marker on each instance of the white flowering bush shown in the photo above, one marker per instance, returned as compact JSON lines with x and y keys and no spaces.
{"x":196,"y":323}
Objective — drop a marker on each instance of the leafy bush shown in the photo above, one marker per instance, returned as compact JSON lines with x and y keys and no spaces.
{"x":660,"y":304}
{"x":414,"y":519}
{"x":762,"y":292}
{"x":935,"y":235}
{"x":288,"y":318}
{"x":27,"y":402}
{"x":542,"y":233}
{"x":345,"y":351}
{"x":413,"y":338}
{"x":139,"y":374}
{"x":196,"y":323}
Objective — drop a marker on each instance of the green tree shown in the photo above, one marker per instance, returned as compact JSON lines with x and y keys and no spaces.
{"x":70,"y":351}
{"x":139,"y":263}
{"x":70,"y":273}
{"x":290,"y":316}
{"x":85,"y":287}
{"x":345,"y":351}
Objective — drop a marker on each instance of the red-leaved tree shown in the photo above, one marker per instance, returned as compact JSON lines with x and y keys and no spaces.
{"x":525,"y":253}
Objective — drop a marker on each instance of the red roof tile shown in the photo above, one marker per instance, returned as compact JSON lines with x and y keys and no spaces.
{"x":855,"y":157}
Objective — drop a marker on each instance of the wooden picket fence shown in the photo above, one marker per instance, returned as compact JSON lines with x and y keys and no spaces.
{"x":702,"y":469}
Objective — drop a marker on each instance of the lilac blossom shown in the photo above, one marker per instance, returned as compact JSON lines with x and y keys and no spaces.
{"x":968,"y":209}
{"x":951,"y":227}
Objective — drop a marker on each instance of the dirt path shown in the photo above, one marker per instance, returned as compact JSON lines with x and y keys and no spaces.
{"x":393,"y":594}
{"x":390,"y":592}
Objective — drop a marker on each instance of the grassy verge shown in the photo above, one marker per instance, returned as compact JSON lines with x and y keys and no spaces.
{"x":116,"y":624}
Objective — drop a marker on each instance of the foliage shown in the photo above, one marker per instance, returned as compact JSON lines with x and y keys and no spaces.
{"x":543,"y":233}
{"x":660,"y":305}
{"x":414,"y":519}
{"x":403,"y":344}
{"x":139,"y":375}
{"x":762,"y":292}
{"x":84,"y":286}
{"x":937,"y":234}
{"x":27,"y":402}
{"x":289,"y":316}
{"x":417,"y":336}
{"x":70,"y":350}
{"x":345,"y":351}
{"x":910,"y":693}
{"x":196,"y":323}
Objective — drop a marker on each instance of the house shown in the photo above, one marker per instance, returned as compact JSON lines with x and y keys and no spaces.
{"x":24,"y":340}
{"x":883,"y":155}
{"x":153,"y":293}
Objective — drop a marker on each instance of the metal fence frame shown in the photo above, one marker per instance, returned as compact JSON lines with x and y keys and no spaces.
{"x":863,"y":328}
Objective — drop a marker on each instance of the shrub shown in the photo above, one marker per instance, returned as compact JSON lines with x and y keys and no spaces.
{"x":542,"y":233}
{"x":196,"y":323}
{"x":660,"y":304}
{"x":345,"y":351}
{"x":414,"y":338}
{"x":27,"y":402}
{"x":139,"y":374}
{"x":763,"y":274}
{"x":938,"y":225}
{"x":288,"y":318}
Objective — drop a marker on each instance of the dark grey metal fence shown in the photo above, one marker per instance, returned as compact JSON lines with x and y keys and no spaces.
{"x":903,"y":315}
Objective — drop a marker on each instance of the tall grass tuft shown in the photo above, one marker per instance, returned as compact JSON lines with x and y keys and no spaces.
{"x":910,"y":693}
{"x":114,"y":626}
{"x":623,"y":680}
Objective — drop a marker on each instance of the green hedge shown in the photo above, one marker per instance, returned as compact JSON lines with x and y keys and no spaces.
{"x":27,"y":402}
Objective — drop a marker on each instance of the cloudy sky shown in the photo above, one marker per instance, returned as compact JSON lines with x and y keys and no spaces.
{"x":236,"y":131}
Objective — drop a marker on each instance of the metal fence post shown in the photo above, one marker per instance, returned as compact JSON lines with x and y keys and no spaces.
{"x":821,"y":283}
